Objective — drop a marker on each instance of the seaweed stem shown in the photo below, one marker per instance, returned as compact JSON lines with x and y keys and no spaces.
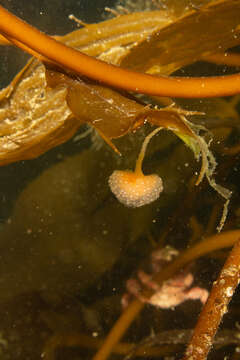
{"x":15,"y":29}
{"x":215,"y":242}
{"x":215,"y":307}
{"x":138,"y":167}
{"x":87,"y":341}
{"x":4,"y":41}
{"x":227,"y":58}
{"x":155,"y":345}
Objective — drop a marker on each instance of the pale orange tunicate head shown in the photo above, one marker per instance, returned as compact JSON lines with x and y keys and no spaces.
{"x":133,"y":189}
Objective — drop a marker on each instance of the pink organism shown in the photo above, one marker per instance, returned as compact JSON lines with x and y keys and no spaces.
{"x":172,"y":293}
{"x":133,"y":188}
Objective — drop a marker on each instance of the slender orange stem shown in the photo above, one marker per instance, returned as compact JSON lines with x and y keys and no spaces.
{"x":215,"y":242}
{"x":138,"y":167}
{"x":25,"y":48}
{"x":13,"y":27}
{"x":216,"y":306}
{"x":4,"y":41}
{"x":86,"y":341}
{"x":227,"y":58}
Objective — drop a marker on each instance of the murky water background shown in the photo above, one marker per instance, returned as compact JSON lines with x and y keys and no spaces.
{"x":66,"y":245}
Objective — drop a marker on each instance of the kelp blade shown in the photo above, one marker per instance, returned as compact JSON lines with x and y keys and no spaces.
{"x":210,"y":29}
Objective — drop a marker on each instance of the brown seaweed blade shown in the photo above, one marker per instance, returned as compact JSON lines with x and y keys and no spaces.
{"x":113,"y":115}
{"x":105,"y":109}
{"x":44,"y":47}
{"x":109,"y":111}
{"x":211,"y":29}
{"x":33,"y":118}
{"x":116,"y":36}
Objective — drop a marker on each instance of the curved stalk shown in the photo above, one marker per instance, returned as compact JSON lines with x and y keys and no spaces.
{"x":212,"y":243}
{"x":14,"y":28}
{"x":216,"y":306}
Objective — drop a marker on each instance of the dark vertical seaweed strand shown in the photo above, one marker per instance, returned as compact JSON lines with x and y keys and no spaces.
{"x":212,"y":243}
{"x":215,"y":307}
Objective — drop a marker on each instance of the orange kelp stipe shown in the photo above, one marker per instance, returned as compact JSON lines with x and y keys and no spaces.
{"x":211,"y":243}
{"x":14,"y":28}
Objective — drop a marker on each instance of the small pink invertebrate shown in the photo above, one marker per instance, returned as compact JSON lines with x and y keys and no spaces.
{"x":172,"y":293}
{"x":133,"y":188}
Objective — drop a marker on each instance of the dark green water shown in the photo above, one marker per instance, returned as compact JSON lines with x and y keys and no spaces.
{"x":67,"y":246}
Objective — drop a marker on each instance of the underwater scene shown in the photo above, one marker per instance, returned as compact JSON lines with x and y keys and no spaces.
{"x":119,"y":179}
